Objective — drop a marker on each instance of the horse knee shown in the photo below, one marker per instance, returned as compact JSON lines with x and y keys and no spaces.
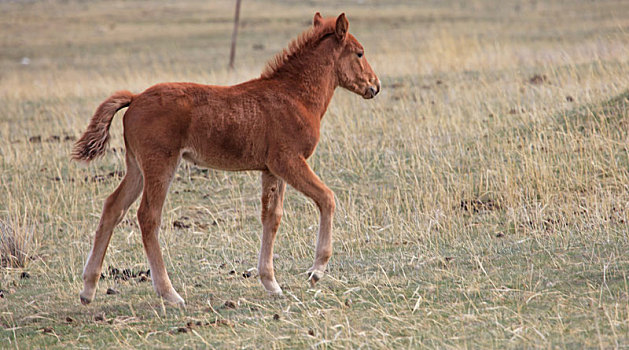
{"x":142,"y":214}
{"x":272,"y":214}
{"x":147,"y":218}
{"x":112,"y":214}
{"x":276,"y":215}
{"x":327,"y":203}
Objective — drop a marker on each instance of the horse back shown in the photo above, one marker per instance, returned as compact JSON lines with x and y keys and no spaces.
{"x":222,"y":127}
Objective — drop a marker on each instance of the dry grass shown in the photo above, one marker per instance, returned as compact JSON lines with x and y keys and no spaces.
{"x":17,"y":244}
{"x":482,"y":197}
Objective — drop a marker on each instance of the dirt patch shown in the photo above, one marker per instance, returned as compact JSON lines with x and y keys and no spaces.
{"x":126,"y":274}
{"x":51,"y":138}
{"x":182,"y":223}
{"x":539,"y":79}
{"x":516,"y":111}
{"x":100,"y":178}
{"x":190,"y":325}
{"x":445,"y":262}
{"x":479,"y":205}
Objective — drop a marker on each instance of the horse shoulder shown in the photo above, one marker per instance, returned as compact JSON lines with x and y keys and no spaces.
{"x":292,"y":128}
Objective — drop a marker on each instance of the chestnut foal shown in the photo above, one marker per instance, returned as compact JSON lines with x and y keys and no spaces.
{"x":270,"y":124}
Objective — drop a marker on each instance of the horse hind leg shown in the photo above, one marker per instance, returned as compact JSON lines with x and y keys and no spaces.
{"x":158,"y":174}
{"x":114,"y":210}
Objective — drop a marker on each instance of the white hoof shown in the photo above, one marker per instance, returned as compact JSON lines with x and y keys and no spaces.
{"x":174,"y":298}
{"x":272,"y":287}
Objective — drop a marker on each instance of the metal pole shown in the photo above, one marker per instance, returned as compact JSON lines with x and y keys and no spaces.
{"x":232,"y":55}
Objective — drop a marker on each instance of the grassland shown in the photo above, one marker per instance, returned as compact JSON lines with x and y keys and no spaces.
{"x":482,"y":197}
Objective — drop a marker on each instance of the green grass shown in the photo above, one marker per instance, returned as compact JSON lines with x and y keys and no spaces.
{"x":477,"y":207}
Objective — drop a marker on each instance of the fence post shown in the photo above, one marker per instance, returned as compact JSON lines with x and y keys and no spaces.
{"x":232,"y":55}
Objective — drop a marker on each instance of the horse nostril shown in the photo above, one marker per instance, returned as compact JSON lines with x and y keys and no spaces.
{"x":373,"y":90}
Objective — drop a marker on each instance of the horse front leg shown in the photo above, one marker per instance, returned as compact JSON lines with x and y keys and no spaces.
{"x":296,"y":172}
{"x":272,"y":208}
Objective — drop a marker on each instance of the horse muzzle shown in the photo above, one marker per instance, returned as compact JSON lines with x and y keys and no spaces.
{"x":371,"y":91}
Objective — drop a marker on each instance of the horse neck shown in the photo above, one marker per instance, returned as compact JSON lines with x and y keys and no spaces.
{"x":311,"y":81}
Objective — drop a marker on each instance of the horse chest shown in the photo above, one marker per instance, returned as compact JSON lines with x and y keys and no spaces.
{"x":306,"y":142}
{"x":309,"y":146}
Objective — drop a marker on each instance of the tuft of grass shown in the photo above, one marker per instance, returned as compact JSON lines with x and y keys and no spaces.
{"x":607,"y":117}
{"x":16,"y":243}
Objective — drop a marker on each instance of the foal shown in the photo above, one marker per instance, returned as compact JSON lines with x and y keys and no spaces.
{"x":270,"y":124}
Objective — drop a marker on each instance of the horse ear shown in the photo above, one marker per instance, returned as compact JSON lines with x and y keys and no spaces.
{"x":342,"y":25}
{"x":318,"y":20}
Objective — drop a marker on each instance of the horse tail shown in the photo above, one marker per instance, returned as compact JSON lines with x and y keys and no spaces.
{"x":94,"y":141}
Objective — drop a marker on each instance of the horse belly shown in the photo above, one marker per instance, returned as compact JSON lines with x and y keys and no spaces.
{"x":225,"y":156}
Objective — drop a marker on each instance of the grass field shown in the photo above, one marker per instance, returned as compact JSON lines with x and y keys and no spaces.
{"x":482,"y":197}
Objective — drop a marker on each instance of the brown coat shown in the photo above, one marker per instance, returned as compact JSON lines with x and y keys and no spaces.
{"x":270,"y":124}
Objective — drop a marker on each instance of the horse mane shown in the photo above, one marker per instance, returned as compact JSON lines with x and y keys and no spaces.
{"x":296,"y":46}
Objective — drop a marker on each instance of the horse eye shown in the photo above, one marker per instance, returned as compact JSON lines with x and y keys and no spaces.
{"x":359,"y":54}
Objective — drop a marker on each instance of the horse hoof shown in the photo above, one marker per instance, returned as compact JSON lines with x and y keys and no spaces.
{"x":276,"y":293}
{"x":84,"y":299}
{"x":174,"y":299}
{"x":314,"y":276}
{"x":271,"y":286}
{"x":178,"y":303}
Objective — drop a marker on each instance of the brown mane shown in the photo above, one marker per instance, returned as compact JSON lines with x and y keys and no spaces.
{"x":305,"y":40}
